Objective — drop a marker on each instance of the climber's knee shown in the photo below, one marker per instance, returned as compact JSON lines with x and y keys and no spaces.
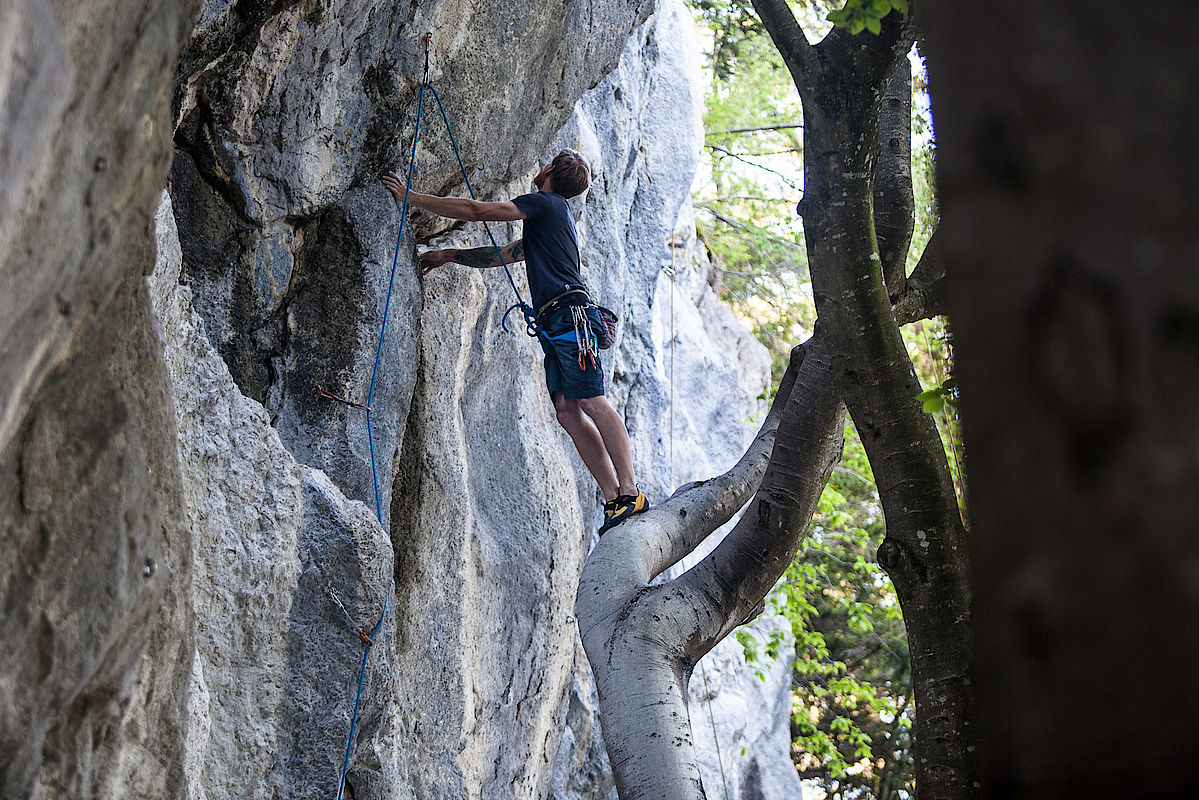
{"x":591,"y":405}
{"x":568,"y":411}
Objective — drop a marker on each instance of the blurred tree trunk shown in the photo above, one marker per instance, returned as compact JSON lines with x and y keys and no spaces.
{"x":1069,"y":180}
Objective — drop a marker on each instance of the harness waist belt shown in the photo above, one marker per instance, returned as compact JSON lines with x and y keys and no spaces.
{"x":555,"y":302}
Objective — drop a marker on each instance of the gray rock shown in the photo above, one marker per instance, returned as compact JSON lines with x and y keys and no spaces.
{"x":93,"y":581}
{"x":287,"y":571}
{"x":288,"y":116}
{"x":181,"y":507}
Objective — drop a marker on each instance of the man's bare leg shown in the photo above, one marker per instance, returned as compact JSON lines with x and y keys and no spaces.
{"x":615,"y":438}
{"x":589,"y":442}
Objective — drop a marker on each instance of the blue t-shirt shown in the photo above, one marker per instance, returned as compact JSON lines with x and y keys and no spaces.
{"x":551,"y":246}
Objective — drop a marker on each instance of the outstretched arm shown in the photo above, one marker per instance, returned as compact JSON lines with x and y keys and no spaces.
{"x":462,"y":208}
{"x":481,"y":257}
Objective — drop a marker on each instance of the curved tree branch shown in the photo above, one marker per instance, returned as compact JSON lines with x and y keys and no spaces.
{"x":894,"y":201}
{"x":924,"y":294}
{"x":789,"y":38}
{"x":636,"y":552}
{"x":735,"y":576}
{"x":642,"y":641}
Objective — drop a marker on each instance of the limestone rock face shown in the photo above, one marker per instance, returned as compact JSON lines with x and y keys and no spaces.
{"x":94,"y":611}
{"x":289,"y":113}
{"x":193,"y":533}
{"x":286,"y":570}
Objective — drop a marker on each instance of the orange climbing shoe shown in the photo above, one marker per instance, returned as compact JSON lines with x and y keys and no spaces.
{"x":624,"y":506}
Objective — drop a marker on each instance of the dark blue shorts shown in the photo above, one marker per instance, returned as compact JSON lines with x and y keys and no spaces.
{"x":562,"y":370}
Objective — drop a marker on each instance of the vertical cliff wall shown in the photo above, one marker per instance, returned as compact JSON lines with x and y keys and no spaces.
{"x":94,"y":575}
{"x":192,"y":530}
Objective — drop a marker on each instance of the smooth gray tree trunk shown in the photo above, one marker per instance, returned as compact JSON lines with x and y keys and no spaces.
{"x":846,"y":83}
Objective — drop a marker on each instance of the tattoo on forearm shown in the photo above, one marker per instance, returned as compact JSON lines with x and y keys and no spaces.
{"x":476,"y":257}
{"x":483,"y":257}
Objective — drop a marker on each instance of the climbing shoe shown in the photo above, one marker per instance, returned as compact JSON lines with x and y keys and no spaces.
{"x":624,"y":506}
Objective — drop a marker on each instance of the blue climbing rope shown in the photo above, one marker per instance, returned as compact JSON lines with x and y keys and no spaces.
{"x":369,"y":639}
{"x":527,"y":310}
{"x":531,"y":327}
{"x":387,"y":305}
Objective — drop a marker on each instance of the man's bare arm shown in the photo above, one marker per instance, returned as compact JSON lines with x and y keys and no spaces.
{"x":462,"y":208}
{"x":486,"y":256}
{"x":480,"y":257}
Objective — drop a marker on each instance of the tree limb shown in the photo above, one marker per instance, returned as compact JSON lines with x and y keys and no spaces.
{"x":894,"y":202}
{"x":741,"y":570}
{"x":742,"y":158}
{"x":639,"y":550}
{"x":642,"y":641}
{"x":788,"y":37}
{"x":924,"y":294}
{"x":753,"y":128}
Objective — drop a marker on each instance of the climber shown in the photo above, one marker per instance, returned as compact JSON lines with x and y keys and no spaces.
{"x":573,"y":373}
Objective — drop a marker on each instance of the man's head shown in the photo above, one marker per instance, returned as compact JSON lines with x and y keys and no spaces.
{"x":569,"y":174}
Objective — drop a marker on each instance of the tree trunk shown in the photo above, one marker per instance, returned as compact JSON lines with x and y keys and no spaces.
{"x":1069,"y":184}
{"x":840,"y":82}
{"x":894,"y":200}
{"x":644,"y":641}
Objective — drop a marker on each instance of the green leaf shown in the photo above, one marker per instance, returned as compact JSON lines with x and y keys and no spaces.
{"x":933,"y":404}
{"x":874,"y":26}
{"x":856,"y":25}
{"x":900,"y":5}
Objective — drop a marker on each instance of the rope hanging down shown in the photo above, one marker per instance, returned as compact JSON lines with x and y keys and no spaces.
{"x":530,"y":315}
{"x":673,"y":272}
{"x":368,"y":639}
{"x":531,"y":326}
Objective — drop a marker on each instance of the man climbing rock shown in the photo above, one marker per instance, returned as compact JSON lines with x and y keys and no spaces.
{"x":565,"y":313}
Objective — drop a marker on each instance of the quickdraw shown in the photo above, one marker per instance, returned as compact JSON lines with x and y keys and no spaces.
{"x":327,"y":395}
{"x":584,"y":337}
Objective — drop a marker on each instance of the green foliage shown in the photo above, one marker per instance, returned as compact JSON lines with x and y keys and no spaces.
{"x":851,"y":721}
{"x":746,"y":204}
{"x":930,"y":346}
{"x":732,"y":23}
{"x":865,"y":15}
